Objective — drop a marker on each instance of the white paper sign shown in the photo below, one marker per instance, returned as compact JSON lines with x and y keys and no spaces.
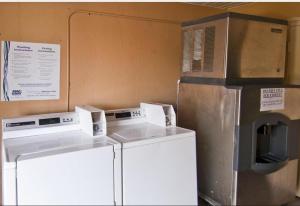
{"x":271,"y":99}
{"x":29,"y":71}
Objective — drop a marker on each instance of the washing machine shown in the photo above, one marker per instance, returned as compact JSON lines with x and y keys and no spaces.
{"x":158,"y":158}
{"x":60,"y":159}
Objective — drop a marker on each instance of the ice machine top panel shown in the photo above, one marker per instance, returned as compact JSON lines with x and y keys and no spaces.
{"x":40,"y":145}
{"x":235,"y":47}
{"x":144,"y":131}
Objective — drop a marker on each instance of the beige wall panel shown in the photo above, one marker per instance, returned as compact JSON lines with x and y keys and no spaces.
{"x":117,"y":62}
{"x":34,"y":24}
{"x":48,"y":22}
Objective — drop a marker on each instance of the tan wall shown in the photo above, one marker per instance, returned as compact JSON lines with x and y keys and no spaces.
{"x":117,"y":62}
{"x":131,"y":67}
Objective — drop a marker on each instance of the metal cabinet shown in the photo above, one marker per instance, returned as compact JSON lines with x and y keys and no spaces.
{"x":234,"y":46}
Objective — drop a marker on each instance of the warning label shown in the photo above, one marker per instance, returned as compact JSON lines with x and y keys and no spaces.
{"x":271,"y":99}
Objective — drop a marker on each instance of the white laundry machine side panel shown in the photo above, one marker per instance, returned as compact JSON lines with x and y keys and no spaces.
{"x":74,"y":178}
{"x":8,"y":185}
{"x":118,"y":175}
{"x":162,"y":173}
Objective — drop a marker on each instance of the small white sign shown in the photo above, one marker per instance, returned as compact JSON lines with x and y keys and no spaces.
{"x":29,"y":71}
{"x":271,"y":99}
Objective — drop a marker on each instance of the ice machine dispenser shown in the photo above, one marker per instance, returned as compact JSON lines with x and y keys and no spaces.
{"x":266,"y":140}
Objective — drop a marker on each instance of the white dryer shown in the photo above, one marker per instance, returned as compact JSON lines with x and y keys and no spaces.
{"x":158,"y":158}
{"x":60,"y":159}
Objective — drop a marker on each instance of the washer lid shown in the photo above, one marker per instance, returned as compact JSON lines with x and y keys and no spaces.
{"x":51,"y":144}
{"x":143,"y":133}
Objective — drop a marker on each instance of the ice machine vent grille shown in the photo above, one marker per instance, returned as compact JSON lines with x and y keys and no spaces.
{"x":209,"y":47}
{"x":187,"y":45}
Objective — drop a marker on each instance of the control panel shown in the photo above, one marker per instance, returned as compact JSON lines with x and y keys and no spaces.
{"x":39,"y":121}
{"x":155,"y":113}
{"x":124,"y":114}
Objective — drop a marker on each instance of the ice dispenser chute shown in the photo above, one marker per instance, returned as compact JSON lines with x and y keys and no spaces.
{"x":270,"y":143}
{"x":267,"y":143}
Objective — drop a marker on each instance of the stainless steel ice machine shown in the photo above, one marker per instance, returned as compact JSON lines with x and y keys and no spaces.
{"x":246,"y":121}
{"x":245,"y":156}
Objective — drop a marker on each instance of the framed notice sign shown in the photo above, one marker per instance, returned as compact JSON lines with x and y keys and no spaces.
{"x":29,"y":71}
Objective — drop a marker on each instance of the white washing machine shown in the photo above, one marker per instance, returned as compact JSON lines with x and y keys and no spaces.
{"x":60,"y":159}
{"x":158,"y":158}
